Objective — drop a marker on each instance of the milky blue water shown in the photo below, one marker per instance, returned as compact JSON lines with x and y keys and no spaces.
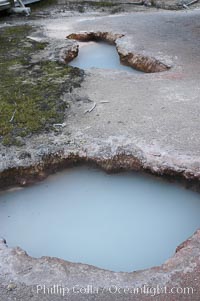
{"x":98,"y":55}
{"x":121,"y":222}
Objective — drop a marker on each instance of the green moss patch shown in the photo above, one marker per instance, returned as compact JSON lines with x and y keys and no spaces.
{"x":30,"y":93}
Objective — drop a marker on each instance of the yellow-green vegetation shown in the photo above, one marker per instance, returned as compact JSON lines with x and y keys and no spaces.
{"x":30,"y":93}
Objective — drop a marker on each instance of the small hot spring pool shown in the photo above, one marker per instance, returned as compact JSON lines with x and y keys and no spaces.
{"x":120,"y":222}
{"x":99,"y":55}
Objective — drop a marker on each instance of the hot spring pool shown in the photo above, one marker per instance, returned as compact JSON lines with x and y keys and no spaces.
{"x":99,"y":55}
{"x":121,"y":222}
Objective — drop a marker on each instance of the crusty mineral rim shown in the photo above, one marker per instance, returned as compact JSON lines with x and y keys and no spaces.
{"x":181,"y":269}
{"x":51,"y":163}
{"x":135,"y":60}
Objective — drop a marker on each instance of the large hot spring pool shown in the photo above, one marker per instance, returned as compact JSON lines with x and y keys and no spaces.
{"x":120,"y":222}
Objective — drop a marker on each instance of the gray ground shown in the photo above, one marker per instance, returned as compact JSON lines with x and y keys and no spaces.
{"x":151,"y":117}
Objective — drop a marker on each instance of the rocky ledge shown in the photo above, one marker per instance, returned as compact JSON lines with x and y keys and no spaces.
{"x":22,"y":277}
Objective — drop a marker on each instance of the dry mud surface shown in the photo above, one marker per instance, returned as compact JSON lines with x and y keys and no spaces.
{"x":141,"y":122}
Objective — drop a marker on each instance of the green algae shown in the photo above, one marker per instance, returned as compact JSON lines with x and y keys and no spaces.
{"x":30,"y":93}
